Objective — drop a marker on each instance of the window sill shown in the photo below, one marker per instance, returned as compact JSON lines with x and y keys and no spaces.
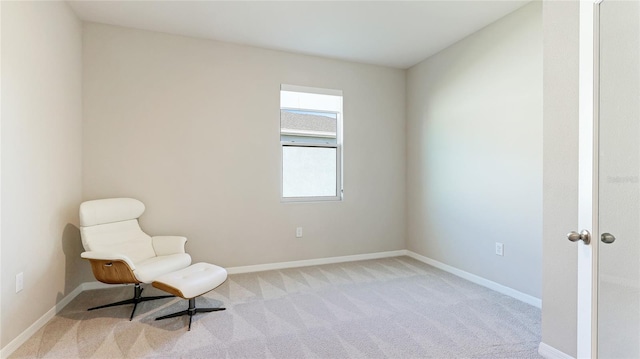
{"x":310,"y":199}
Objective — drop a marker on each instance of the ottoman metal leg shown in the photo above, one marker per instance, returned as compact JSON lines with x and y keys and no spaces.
{"x":191,"y":311}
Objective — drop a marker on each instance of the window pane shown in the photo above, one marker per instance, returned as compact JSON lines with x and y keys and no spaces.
{"x":309,"y":171}
{"x":308,"y":126}
{"x":311,"y":101}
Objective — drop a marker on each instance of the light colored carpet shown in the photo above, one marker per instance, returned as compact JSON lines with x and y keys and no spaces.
{"x":385,"y":308}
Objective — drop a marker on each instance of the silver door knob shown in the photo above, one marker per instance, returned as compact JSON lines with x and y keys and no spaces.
{"x":607,"y":238}
{"x":584,"y":236}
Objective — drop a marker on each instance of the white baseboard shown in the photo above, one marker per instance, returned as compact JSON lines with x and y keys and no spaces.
{"x":33,"y":328}
{"x":99,"y":285}
{"x":314,"y":262}
{"x":550,"y":352}
{"x":536,"y":302}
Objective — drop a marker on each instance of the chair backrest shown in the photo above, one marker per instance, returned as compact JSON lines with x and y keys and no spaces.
{"x":111,"y":225}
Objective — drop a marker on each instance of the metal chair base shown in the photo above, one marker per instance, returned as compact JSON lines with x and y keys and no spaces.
{"x":191,"y":311}
{"x":137,"y":298}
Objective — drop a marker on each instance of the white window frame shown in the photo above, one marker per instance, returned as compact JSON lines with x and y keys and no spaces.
{"x":338,"y":145}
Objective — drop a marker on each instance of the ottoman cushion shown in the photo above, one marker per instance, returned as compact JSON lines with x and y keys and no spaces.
{"x":192,"y":281}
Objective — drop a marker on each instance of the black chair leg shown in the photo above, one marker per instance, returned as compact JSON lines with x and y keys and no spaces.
{"x":137,"y":298}
{"x":191,"y":311}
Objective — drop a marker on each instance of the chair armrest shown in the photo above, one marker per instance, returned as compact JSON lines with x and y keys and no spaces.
{"x":166,"y":245}
{"x":107,"y":256}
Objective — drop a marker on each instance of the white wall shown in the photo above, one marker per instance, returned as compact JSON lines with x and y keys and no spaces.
{"x":41,"y":159}
{"x":474,"y":153}
{"x":191,"y":128}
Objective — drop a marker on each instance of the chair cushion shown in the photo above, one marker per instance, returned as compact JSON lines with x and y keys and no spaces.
{"x":148,"y":270}
{"x":125,"y":238}
{"x":192,"y":281}
{"x":109,"y":210}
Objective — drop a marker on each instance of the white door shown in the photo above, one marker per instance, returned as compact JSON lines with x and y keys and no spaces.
{"x":609,"y":267}
{"x":618,"y":279}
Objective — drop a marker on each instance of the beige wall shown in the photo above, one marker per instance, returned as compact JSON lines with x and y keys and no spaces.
{"x":41,"y":159}
{"x":191,"y":128}
{"x":474,"y":158}
{"x":560,"y":194}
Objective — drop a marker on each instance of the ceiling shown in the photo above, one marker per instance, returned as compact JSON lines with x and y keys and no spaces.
{"x":397,"y":34}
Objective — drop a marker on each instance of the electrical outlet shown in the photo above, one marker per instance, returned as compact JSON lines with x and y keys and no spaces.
{"x":299,"y":232}
{"x":19,"y":282}
{"x":499,"y":249}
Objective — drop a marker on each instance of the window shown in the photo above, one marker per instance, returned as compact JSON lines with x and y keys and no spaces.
{"x":311,"y":140}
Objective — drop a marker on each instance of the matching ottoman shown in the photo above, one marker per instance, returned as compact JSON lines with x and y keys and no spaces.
{"x":190,"y":283}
